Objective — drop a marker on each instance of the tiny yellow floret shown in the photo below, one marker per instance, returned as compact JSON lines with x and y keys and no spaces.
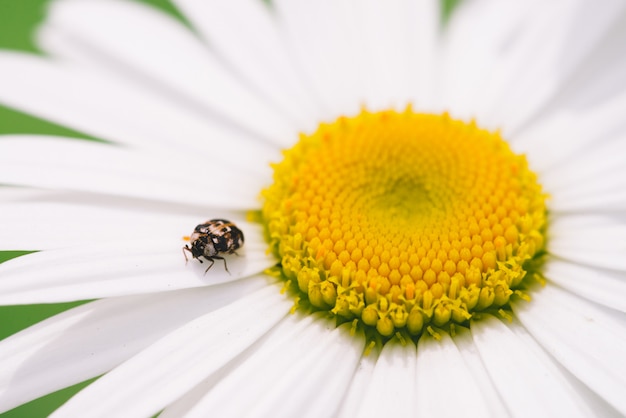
{"x":404,"y":221}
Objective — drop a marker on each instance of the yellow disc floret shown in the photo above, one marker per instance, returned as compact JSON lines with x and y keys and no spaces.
{"x":403,"y":220}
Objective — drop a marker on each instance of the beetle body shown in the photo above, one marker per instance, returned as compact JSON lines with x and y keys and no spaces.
{"x":212,"y":239}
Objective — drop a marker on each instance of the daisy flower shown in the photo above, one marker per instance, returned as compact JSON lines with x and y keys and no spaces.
{"x":433,"y":216}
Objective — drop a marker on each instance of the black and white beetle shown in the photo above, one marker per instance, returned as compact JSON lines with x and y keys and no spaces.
{"x":212,"y":238}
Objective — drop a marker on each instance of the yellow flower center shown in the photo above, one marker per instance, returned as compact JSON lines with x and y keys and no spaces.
{"x":404,"y":221}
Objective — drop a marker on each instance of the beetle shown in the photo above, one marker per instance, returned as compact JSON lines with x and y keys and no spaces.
{"x":213,"y":238}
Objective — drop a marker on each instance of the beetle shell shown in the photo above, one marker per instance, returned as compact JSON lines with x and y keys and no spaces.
{"x":213,"y":238}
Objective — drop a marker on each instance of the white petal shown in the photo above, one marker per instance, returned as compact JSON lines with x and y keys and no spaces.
{"x":210,"y":390}
{"x":586,"y":339}
{"x":391,"y":391}
{"x":142,"y":45}
{"x":599,"y":245}
{"x":351,"y":404}
{"x":518,"y":366}
{"x":326,"y":355}
{"x":613,"y":200}
{"x":543,"y":60}
{"x":568,"y":224}
{"x":605,"y":194}
{"x":322,"y":38}
{"x":474,"y":39}
{"x":245,"y":34}
{"x":604,"y":287}
{"x":47,"y":224}
{"x":329,"y":370}
{"x":44,"y":219}
{"x":441,"y":370}
{"x":123,"y":267}
{"x":472,"y":360}
{"x":599,"y":76}
{"x":25,"y":196}
{"x":91,"y":339}
{"x":111,"y":108}
{"x":176,"y":363}
{"x":359,"y":53}
{"x":610,"y":179}
{"x":597,"y":171}
{"x":388,"y":32}
{"x":424,"y":51}
{"x":587,"y":170}
{"x":556,"y":144}
{"x":70,"y":164}
{"x":18,"y":194}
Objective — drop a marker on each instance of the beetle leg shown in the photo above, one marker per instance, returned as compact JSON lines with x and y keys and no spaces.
{"x":223,"y":259}
{"x":210,"y":265}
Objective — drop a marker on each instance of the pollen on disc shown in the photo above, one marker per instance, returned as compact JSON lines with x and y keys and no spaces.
{"x":404,"y":220}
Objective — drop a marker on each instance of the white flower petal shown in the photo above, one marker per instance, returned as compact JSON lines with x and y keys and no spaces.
{"x":326,"y":355}
{"x":601,"y":286}
{"x":140,"y":44}
{"x":101,"y":105}
{"x":476,"y":35}
{"x":594,"y":404}
{"x":441,"y":370}
{"x":52,"y":162}
{"x":585,"y":338}
{"x":599,"y":76}
{"x":20,"y":194}
{"x":345,"y":351}
{"x":123,"y":267}
{"x":472,"y":360}
{"x":210,"y":391}
{"x":392,"y":388}
{"x":91,"y":339}
{"x":349,"y":57}
{"x":42,"y":225}
{"x":492,"y":41}
{"x":595,"y":171}
{"x":322,"y":37}
{"x":351,"y":403}
{"x":583,"y":130}
{"x":599,"y":245}
{"x":517,"y":366}
{"x":424,"y":47}
{"x":176,"y":363}
{"x":245,"y":34}
{"x":328,"y":369}
{"x":544,"y":52}
{"x":569,"y":224}
{"x":389,"y":32}
{"x":605,"y":181}
{"x":44,"y":219}
{"x":17,"y":195}
{"x":611,"y":201}
{"x":586,"y":171}
{"x":603,"y":193}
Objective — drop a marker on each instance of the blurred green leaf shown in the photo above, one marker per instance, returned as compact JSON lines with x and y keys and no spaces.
{"x":43,"y":406}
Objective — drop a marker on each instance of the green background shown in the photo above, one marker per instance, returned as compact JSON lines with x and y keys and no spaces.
{"x":18,"y":19}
